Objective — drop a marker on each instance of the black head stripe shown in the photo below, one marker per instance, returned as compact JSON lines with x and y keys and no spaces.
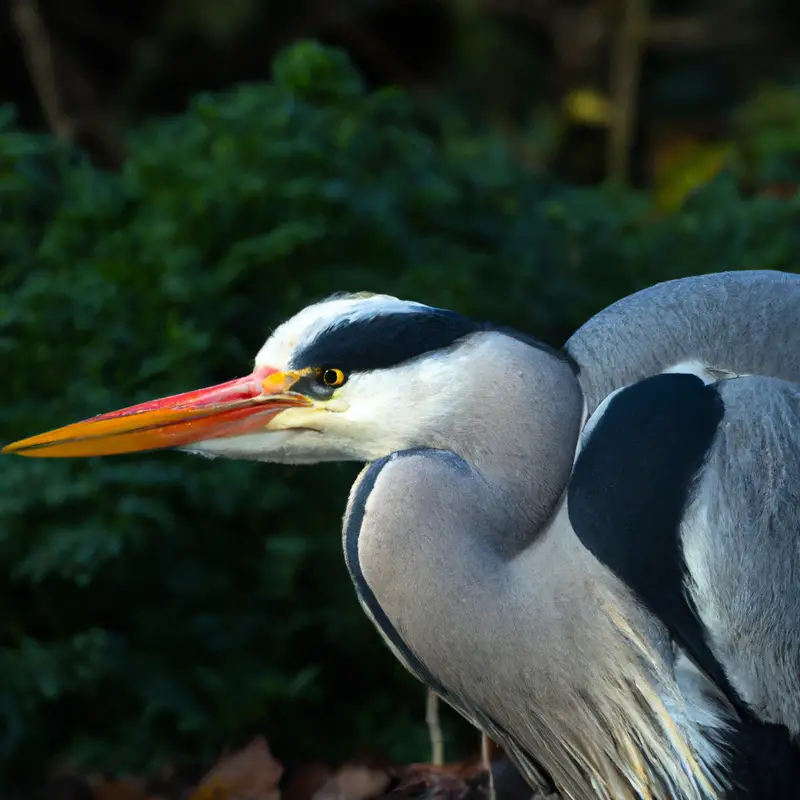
{"x":385,"y":340}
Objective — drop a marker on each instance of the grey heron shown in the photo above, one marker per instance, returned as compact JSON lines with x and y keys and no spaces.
{"x":591,"y":553}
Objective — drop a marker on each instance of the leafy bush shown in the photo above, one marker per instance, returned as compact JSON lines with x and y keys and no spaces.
{"x":159,"y":607}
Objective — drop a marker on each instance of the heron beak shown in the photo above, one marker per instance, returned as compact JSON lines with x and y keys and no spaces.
{"x":241,"y":406}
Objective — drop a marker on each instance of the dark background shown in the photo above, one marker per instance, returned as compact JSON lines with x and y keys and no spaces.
{"x":678,"y":69}
{"x":179,"y":176}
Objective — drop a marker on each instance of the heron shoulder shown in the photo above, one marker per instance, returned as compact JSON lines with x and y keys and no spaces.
{"x":742,"y":322}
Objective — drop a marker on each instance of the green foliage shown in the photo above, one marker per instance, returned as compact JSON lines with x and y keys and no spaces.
{"x":160,"y":607}
{"x":769,"y":133}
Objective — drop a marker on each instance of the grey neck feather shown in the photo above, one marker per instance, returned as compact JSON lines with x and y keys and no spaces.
{"x":740,"y":322}
{"x":518,"y":430}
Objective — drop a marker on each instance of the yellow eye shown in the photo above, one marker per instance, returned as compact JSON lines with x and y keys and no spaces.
{"x":333,"y":377}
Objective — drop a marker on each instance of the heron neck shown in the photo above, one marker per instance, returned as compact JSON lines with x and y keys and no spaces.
{"x":525,"y":450}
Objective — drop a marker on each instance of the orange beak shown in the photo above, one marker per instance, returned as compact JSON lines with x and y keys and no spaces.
{"x":245,"y":405}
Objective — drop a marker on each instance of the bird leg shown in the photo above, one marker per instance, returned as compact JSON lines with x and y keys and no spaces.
{"x":434,"y":728}
{"x":486,"y":757}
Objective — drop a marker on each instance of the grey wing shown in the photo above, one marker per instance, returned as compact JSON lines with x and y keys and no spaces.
{"x":741,"y":545}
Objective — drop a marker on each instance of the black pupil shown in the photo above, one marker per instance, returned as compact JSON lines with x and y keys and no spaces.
{"x":330,"y":377}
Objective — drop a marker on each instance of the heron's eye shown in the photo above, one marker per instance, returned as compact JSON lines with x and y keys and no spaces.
{"x":333,"y":377}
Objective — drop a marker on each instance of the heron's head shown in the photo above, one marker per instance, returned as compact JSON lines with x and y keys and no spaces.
{"x":354,"y":377}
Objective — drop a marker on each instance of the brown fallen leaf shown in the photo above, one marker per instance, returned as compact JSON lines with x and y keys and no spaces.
{"x":354,"y":782}
{"x":460,"y":780}
{"x":252,"y":773}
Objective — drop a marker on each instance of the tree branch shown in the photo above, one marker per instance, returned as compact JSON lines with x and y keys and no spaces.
{"x":626,"y":67}
{"x":67,"y":95}
{"x":37,"y":50}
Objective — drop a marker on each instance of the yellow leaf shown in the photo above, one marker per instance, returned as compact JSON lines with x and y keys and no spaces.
{"x":587,"y":107}
{"x":685,"y":166}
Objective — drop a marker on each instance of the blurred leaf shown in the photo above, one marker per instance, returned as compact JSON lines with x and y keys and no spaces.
{"x":252,"y":773}
{"x":354,"y":782}
{"x":587,"y":106}
{"x":683,"y":166}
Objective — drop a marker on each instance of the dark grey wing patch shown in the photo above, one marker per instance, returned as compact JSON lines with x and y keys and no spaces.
{"x":629,"y":489}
